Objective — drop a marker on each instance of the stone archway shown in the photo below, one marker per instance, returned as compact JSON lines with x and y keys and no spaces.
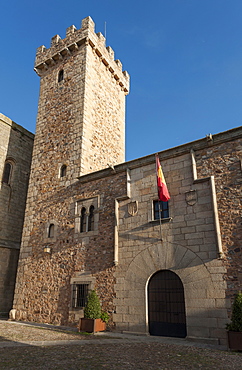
{"x":204,"y":289}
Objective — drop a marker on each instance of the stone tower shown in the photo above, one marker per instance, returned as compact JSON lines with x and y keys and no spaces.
{"x":80,"y":124}
{"x":80,"y":129}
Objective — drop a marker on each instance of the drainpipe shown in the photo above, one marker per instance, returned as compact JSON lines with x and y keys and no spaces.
{"x":216,"y":219}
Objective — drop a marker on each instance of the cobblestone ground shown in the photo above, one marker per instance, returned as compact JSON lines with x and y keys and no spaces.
{"x":91,"y":352}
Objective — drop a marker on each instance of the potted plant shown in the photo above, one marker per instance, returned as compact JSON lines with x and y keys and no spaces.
{"x":235,"y":327}
{"x":104,"y":317}
{"x":94,"y":319}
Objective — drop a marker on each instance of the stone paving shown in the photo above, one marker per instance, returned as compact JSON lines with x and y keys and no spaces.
{"x":42,"y":346}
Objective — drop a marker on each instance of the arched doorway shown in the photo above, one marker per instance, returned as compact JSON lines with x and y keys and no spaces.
{"x":166,"y":305}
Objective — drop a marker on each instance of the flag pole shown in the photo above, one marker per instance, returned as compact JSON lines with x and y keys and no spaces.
{"x":160,"y":220}
{"x":157,"y":156}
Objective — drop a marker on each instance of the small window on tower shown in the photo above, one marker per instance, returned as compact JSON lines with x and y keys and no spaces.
{"x":63,"y":170}
{"x":51,"y":231}
{"x":61,"y":75}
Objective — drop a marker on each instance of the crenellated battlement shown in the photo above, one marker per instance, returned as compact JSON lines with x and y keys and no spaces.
{"x":75,"y":39}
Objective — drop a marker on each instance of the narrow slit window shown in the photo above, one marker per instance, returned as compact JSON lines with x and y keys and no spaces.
{"x":91,"y":219}
{"x":63,"y":170}
{"x":83,"y":220}
{"x":51,"y":231}
{"x":7,"y":173}
{"x":61,"y":75}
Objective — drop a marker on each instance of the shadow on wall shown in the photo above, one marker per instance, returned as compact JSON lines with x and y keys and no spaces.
{"x":9,"y":280}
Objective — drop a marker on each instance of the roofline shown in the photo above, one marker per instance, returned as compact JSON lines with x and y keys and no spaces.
{"x":15,"y":126}
{"x":208,"y":141}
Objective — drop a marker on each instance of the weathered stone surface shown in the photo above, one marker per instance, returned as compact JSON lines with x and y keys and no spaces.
{"x":16,"y":145}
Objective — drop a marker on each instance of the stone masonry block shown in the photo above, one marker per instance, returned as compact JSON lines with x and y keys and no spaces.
{"x":198,"y":331}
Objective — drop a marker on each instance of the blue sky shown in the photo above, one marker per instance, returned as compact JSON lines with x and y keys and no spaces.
{"x":184,"y":58}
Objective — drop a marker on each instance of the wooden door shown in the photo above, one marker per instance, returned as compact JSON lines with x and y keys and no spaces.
{"x":166,"y":305}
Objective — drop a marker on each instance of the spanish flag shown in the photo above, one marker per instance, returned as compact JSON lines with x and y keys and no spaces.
{"x":163,"y":193}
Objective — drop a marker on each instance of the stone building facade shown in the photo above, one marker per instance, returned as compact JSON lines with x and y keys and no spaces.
{"x":201,"y":239}
{"x":16,"y":145}
{"x":91,"y":221}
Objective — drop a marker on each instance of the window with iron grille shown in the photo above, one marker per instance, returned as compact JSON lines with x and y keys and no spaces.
{"x":79,"y":295}
{"x":161,"y":209}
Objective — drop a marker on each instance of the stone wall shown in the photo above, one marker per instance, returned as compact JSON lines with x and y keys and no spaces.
{"x":191,"y":244}
{"x":224,"y":162}
{"x":8,"y":269}
{"x":16,"y":148}
{"x":43,"y":288}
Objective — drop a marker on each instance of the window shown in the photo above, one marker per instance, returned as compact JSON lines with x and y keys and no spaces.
{"x":86,"y":216}
{"x":63,"y":170}
{"x":61,"y":75}
{"x":91,"y":219}
{"x":161,"y":209}
{"x":7,"y":173}
{"x":83,"y":222}
{"x":87,"y":220}
{"x":51,"y":231}
{"x":79,"y":295}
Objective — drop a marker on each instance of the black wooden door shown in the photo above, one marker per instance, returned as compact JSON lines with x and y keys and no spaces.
{"x":166,"y":305}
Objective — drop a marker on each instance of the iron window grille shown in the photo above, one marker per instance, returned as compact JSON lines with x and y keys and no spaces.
{"x":79,"y":295}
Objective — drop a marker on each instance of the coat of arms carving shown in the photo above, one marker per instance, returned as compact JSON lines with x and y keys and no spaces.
{"x":133,"y":208}
{"x":191,"y":197}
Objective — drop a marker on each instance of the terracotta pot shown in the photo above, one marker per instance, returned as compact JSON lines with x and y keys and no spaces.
{"x":235,"y":340}
{"x":91,"y":325}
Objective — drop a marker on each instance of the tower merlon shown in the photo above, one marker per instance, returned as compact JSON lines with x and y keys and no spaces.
{"x":55,"y":40}
{"x":110,"y":51}
{"x":70,"y":31}
{"x":75,"y":39}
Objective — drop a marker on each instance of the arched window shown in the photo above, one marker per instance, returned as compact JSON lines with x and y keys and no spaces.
{"x":61,"y":75}
{"x":63,"y":170}
{"x":91,"y":219}
{"x":7,"y":173}
{"x":51,"y":231}
{"x":83,"y":222}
